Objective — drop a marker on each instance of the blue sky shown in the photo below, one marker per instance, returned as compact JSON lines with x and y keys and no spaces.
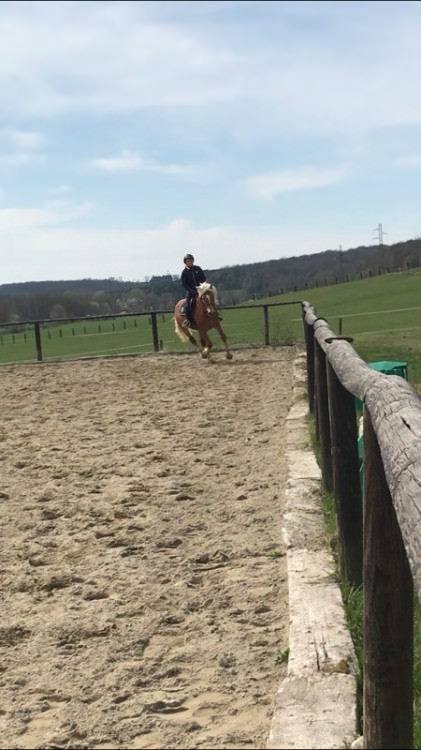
{"x":132,"y":132}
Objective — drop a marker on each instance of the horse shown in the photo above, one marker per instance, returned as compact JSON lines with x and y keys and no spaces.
{"x":204,"y":317}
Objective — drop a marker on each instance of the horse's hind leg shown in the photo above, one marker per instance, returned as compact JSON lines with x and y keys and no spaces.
{"x":191,"y":337}
{"x":184,"y":333}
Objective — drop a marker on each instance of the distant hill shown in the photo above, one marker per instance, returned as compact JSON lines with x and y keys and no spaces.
{"x":36,"y":300}
{"x":85,"y":286}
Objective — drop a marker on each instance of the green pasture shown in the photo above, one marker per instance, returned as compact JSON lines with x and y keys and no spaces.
{"x":373,"y":304}
{"x":382,"y":314}
{"x":363,"y":296}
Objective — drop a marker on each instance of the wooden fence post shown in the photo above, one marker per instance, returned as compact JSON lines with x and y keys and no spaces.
{"x":346,"y":478}
{"x":266,"y":322}
{"x":322,"y":416}
{"x":309,"y":341}
{"x":37,"y":333}
{"x":388,"y":612}
{"x":155,"y":332}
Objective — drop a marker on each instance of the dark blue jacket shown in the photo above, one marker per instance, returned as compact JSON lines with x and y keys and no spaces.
{"x":191,"y":278}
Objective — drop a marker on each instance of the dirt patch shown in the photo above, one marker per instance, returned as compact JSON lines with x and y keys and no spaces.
{"x":142,"y":566}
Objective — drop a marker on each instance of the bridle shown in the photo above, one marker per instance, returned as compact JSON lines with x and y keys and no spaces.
{"x":208,"y":302}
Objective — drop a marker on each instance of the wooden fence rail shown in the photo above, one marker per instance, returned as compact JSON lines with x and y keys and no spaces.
{"x":378,"y":529}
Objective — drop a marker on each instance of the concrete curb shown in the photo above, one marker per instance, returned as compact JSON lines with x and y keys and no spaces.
{"x":315,"y":705}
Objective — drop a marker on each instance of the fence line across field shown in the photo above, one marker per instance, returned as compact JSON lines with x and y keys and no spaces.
{"x":39,"y":326}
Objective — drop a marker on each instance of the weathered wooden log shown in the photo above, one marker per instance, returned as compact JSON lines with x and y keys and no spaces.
{"x":322,"y":412}
{"x":309,"y":341}
{"x":395,"y":411}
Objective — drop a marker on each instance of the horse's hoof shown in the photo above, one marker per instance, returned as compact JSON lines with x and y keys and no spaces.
{"x":205,"y":354}
{"x":228,"y":355}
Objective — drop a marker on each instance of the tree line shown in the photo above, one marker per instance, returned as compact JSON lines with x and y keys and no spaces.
{"x":39,"y":300}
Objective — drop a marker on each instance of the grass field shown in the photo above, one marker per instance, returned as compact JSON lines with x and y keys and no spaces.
{"x":382,"y":314}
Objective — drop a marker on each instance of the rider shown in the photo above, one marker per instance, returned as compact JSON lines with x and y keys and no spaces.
{"x":191,"y":277}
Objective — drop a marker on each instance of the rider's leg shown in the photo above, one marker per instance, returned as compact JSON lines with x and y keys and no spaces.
{"x":192,"y":298}
{"x":188,"y":319}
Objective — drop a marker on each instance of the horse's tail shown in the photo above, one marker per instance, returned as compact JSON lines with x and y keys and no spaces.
{"x":180,"y":332}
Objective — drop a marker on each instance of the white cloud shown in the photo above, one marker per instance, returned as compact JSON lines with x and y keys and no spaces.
{"x":60,"y":190}
{"x":25,"y":144}
{"x":411,"y":162}
{"x":21,"y":159}
{"x":132,"y":161}
{"x":24,"y":140}
{"x":312,"y":65}
{"x":104,"y":57}
{"x":306,"y":178}
{"x":53,"y":212}
{"x":127,"y":162}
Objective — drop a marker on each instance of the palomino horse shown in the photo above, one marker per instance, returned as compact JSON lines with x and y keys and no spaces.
{"x":205,"y":317}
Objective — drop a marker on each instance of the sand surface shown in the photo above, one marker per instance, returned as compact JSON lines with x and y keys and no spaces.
{"x":143,"y":577}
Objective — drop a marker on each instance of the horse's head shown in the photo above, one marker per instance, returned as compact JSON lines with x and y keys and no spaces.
{"x":208,"y":297}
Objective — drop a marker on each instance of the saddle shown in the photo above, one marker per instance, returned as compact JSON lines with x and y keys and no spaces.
{"x":183,"y":308}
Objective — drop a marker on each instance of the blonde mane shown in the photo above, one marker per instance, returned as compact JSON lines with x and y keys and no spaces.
{"x":206,"y":286}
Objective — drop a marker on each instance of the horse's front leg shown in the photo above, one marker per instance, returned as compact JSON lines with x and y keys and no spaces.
{"x":221,"y":332}
{"x":206,"y":345}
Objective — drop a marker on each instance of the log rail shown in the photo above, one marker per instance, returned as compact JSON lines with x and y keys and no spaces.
{"x":378,"y":520}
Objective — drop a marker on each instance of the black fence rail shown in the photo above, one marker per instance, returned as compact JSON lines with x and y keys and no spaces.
{"x":378,"y":524}
{"x":153,"y":332}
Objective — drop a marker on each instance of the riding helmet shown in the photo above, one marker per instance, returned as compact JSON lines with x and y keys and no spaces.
{"x":188,"y":257}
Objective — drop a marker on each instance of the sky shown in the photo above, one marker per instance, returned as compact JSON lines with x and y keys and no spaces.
{"x":239,"y":131}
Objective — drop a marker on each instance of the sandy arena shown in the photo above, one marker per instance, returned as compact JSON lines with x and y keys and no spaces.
{"x":143,"y":574}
